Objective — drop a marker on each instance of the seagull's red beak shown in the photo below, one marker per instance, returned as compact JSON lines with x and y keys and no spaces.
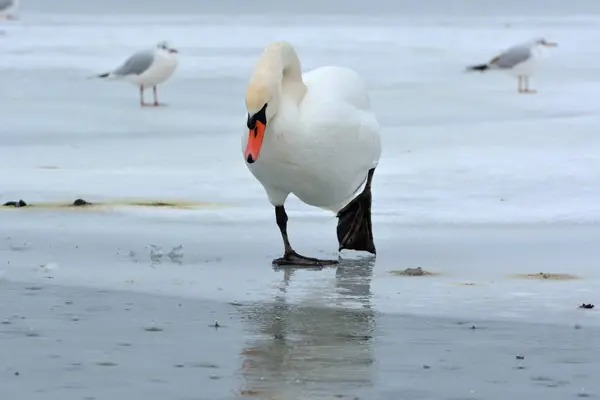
{"x":255,"y":139}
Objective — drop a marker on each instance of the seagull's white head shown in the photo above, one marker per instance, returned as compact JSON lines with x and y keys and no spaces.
{"x":164,"y":45}
{"x":543,"y":42}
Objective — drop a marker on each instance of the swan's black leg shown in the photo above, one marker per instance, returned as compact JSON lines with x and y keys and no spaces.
{"x":290,"y":257}
{"x":354,"y":228}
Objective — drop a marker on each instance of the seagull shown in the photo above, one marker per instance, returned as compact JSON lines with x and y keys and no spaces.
{"x":147,"y":68}
{"x":521,"y":61}
{"x":7,"y":7}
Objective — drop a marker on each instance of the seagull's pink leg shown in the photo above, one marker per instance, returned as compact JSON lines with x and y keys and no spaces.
{"x":155,"y":96}
{"x":527,"y":90}
{"x":142,"y":104}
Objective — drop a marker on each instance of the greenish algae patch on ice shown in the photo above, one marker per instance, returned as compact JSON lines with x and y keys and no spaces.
{"x":81,"y":204}
{"x":414,"y":272}
{"x":546,"y":276}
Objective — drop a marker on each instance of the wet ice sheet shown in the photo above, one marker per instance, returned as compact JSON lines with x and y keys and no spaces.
{"x":76,"y":343}
{"x":231,"y":261}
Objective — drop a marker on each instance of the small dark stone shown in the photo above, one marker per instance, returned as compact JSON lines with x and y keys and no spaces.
{"x":107,"y":364}
{"x":17,"y":373}
{"x":81,"y":202}
{"x":520,"y":357}
{"x":426,"y":367}
{"x":414,"y":272}
{"x":577,"y":326}
{"x":473,"y":327}
{"x":17,"y":204}
{"x":586,"y":306}
{"x":204,"y":365}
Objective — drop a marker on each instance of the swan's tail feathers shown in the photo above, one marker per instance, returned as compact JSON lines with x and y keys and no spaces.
{"x":354,"y":230}
{"x":480,"y":67}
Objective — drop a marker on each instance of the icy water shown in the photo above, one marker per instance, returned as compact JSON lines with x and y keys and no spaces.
{"x":93,"y":311}
{"x":477,"y":185}
{"x":69,"y":343}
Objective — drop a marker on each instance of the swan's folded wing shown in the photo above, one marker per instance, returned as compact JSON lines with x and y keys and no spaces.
{"x":136,"y":64}
{"x":512,"y":57}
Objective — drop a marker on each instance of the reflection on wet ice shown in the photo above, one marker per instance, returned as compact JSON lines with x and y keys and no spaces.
{"x":321,"y":350}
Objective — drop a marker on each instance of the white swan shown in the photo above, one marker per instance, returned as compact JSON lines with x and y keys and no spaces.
{"x":521,"y":61}
{"x":312,"y":135}
{"x":147,"y":68}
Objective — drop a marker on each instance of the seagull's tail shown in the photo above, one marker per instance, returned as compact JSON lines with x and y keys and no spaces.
{"x":480,"y":67}
{"x":103,"y":76}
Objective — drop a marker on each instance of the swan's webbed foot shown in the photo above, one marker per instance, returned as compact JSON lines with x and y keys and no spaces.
{"x":293,"y":258}
{"x":290,"y":257}
{"x":354,"y":229}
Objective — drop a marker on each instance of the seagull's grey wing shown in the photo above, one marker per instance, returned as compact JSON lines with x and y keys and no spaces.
{"x":136,"y":64}
{"x":5,"y":4}
{"x":512,"y":57}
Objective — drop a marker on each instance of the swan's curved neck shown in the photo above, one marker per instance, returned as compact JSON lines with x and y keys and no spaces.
{"x":279,"y":69}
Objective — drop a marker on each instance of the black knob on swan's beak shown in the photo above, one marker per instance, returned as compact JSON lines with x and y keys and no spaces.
{"x":250,"y":160}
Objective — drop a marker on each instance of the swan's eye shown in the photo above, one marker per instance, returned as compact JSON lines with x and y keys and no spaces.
{"x":260,"y":116}
{"x":251,"y":122}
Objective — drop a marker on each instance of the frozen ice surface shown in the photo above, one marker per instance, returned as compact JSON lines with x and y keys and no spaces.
{"x":452,"y":141}
{"x":475,"y":183}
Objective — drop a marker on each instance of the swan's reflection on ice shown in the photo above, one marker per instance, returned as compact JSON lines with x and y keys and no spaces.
{"x":318,"y":348}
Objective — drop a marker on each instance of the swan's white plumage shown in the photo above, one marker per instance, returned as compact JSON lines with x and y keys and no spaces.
{"x":323,"y":138}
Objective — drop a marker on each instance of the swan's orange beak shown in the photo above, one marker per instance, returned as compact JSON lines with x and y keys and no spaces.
{"x":255,"y":139}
